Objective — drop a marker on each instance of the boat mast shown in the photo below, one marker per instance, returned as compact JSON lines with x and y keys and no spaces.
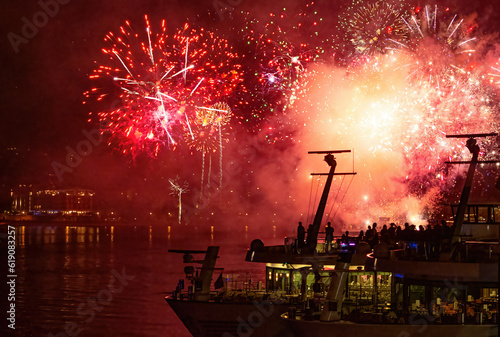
{"x":312,"y":237}
{"x":471,"y":144}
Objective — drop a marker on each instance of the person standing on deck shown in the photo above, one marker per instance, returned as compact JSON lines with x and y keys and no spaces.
{"x":361,"y":236}
{"x":328,"y":236}
{"x":301,"y":235}
{"x":309,"y":232}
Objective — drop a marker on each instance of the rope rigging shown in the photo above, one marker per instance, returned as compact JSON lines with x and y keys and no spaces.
{"x":340,"y":203}
{"x":314,"y":204}
{"x":335,"y":200}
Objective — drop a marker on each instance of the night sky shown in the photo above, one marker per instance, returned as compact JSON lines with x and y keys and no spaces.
{"x":43,"y":81}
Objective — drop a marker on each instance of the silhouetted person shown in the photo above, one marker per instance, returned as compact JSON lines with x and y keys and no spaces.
{"x":429,"y":238}
{"x":447,"y":230}
{"x":361,"y":236}
{"x":399,"y":234}
{"x":447,"y":233}
{"x":384,"y":234}
{"x":405,"y":235}
{"x":391,"y":234}
{"x":421,"y":238}
{"x":328,"y":236}
{"x":374,"y":237}
{"x":368,"y":234}
{"x":345,"y":238}
{"x":301,"y":235}
{"x":309,"y":231}
{"x":413,"y":234}
{"x":411,"y":241}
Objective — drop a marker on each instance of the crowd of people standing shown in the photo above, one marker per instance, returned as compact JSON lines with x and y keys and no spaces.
{"x":408,"y":233}
{"x":431,"y":239}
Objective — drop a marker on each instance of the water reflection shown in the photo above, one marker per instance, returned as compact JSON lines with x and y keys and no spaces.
{"x":61,"y":266}
{"x":45,"y":234}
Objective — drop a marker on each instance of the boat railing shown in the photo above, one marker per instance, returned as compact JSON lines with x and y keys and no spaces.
{"x":242,"y":296}
{"x":466,"y":251}
{"x":248,"y":296}
{"x":293,"y":246}
{"x":477,"y":251}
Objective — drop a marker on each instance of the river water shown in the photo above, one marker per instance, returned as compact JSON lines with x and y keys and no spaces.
{"x":111,"y":279}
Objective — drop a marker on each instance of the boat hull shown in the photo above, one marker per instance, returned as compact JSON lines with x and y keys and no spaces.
{"x":343,"y":328}
{"x":214,"y":319}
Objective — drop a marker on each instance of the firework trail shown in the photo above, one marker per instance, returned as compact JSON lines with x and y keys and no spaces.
{"x":176,"y":190}
{"x":494,"y":74}
{"x":205,"y":140}
{"x":209,"y":136}
{"x":222,"y":118}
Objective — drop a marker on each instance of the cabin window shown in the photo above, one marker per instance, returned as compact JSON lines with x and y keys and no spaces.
{"x":278,"y":279}
{"x":289,"y":281}
{"x":447,"y":302}
{"x":369,"y":288}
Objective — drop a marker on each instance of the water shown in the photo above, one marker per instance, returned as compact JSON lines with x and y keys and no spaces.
{"x":111,"y":280}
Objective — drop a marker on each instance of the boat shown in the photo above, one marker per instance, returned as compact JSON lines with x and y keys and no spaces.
{"x":296,"y":271}
{"x":408,"y":289}
{"x":414,"y":292}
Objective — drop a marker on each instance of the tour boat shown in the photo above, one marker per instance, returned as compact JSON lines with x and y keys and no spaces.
{"x":410,"y":290}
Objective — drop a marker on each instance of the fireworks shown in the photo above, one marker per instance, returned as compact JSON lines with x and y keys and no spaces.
{"x":373,"y":28}
{"x":440,"y":45}
{"x":410,"y":79}
{"x":397,"y":116}
{"x":467,"y":107}
{"x":439,"y":94}
{"x":397,"y":127}
{"x":161,"y":83}
{"x":152,"y":91}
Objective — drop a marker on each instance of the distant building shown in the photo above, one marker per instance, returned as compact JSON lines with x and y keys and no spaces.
{"x":26,"y":199}
{"x":22,"y":198}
